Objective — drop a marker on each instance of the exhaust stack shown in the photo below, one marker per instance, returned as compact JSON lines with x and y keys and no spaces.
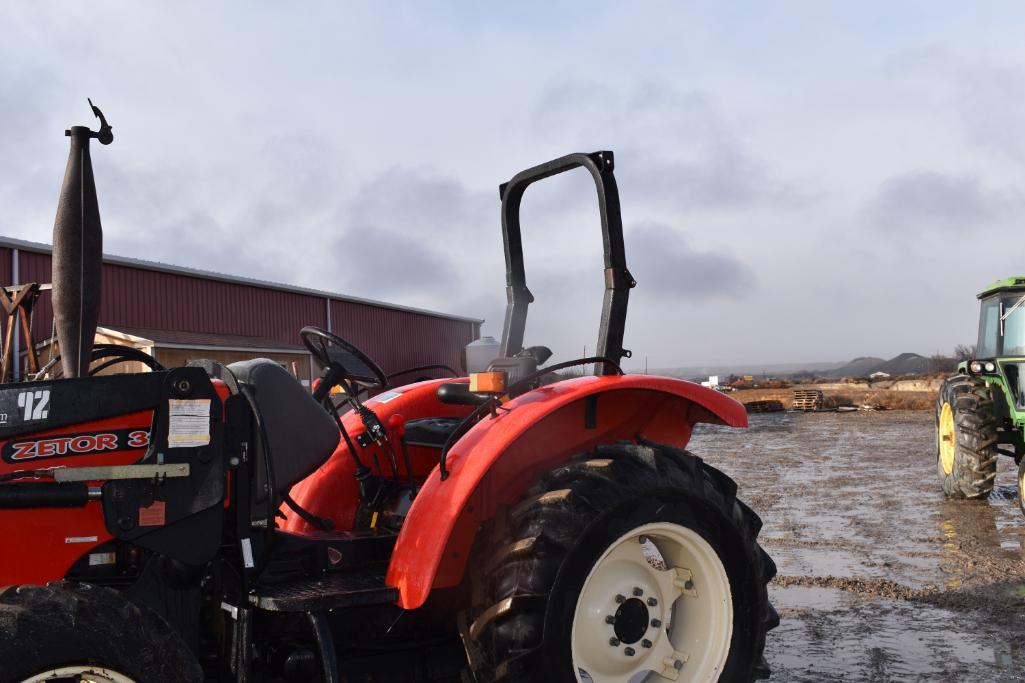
{"x":78,"y":252}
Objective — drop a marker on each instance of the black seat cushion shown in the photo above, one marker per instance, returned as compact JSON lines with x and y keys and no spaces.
{"x":297,"y":434}
{"x":431,"y":431}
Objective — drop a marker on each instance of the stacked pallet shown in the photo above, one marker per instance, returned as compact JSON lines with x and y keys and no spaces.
{"x":807,"y":400}
{"x":764,"y":406}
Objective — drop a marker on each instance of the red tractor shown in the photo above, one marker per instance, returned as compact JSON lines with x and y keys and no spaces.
{"x":222,"y":523}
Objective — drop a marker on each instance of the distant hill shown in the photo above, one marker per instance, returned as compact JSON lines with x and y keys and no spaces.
{"x":905,"y":364}
{"x":862,"y":366}
{"x":773,"y":370}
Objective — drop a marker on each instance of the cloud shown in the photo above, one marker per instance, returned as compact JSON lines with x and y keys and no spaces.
{"x":411,"y":232}
{"x":682,"y":149}
{"x":927,"y":200}
{"x":986,"y":97}
{"x":991,"y":101}
{"x":664,"y":262}
{"x":401,"y":235}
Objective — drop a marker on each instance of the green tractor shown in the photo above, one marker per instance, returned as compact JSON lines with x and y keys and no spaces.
{"x":980,"y":412}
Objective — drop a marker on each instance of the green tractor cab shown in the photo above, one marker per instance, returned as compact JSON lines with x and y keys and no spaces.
{"x":980,"y":412}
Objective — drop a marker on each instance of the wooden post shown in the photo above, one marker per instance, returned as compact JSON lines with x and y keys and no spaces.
{"x":18,"y":302}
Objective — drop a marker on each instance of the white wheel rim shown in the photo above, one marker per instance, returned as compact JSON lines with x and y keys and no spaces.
{"x":85,"y":673}
{"x":689,"y":626}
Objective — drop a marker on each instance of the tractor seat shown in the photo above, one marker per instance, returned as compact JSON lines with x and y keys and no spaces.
{"x":295,"y":434}
{"x":431,"y":432}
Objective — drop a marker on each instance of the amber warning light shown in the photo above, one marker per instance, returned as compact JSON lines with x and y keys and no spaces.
{"x":488,"y":382}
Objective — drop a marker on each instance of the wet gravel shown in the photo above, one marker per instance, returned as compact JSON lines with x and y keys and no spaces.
{"x":881,"y":578}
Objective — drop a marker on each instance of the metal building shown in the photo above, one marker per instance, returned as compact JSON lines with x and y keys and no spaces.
{"x":179,"y":313}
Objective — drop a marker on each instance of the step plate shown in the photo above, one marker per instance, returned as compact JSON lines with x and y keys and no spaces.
{"x":330,"y":591}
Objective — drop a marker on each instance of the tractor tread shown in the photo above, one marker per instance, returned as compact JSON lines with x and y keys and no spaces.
{"x":525,"y":548}
{"x":67,"y":623}
{"x":975,"y":437}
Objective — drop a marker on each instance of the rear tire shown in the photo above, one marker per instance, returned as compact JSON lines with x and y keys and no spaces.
{"x":577,"y":549}
{"x":1021,"y":486}
{"x":66,"y":629}
{"x":966,"y":437}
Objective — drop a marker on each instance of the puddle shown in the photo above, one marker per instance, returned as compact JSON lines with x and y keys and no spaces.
{"x":885,"y":579}
{"x":888,"y":641}
{"x":801,"y":598}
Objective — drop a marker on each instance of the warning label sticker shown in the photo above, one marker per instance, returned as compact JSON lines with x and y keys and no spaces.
{"x":154,"y":515}
{"x":188,"y":423}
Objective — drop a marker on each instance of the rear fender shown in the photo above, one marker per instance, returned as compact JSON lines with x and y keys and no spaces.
{"x":497,"y":460}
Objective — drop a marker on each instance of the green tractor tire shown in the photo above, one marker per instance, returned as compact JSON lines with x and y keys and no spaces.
{"x":966,"y":438}
{"x":1021,"y":485}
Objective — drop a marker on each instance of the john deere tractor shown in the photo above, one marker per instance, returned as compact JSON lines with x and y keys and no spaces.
{"x":980,"y":411}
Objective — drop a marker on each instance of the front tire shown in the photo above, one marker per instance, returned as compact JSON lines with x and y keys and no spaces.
{"x":966,"y":438}
{"x":68,"y":631}
{"x":636,"y":558}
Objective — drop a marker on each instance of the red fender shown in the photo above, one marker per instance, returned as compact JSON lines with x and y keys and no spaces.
{"x":498,"y":459}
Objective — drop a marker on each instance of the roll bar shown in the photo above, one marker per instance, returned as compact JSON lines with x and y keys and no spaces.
{"x":618,"y":280}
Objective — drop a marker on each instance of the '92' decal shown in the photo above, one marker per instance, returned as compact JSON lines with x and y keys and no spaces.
{"x":74,"y":444}
{"x":35,"y":405}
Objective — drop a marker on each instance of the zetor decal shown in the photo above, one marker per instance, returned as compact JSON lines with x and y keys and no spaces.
{"x":74,"y":444}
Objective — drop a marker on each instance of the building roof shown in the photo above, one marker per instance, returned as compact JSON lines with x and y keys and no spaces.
{"x":169,"y":339}
{"x":42,"y":248}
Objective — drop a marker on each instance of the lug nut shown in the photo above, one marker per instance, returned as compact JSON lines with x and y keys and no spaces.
{"x":656,"y":623}
{"x":614,"y":642}
{"x":645,"y":643}
{"x":620,"y":598}
{"x":638,"y":592}
{"x":689,"y":584}
{"x":609,"y":619}
{"x":652,"y":602}
{"x":678,"y":665}
{"x":630,"y":652}
{"x":643,"y":539}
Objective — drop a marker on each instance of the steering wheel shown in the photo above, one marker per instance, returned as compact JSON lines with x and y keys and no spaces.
{"x":342,"y":357}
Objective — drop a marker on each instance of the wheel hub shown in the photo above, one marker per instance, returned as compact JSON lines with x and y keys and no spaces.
{"x":947,"y":440}
{"x":631,"y":621}
{"x":86,"y":673}
{"x":658,"y":602}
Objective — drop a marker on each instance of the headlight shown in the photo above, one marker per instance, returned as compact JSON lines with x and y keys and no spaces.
{"x":977,"y":366}
{"x":990,"y":366}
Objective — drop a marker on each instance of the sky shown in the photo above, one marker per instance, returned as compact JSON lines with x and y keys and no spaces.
{"x":800,"y":181}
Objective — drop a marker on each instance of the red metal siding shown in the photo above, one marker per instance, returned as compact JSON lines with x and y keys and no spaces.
{"x":140,"y":298}
{"x":133,"y":297}
{"x":5,"y":266}
{"x":401,"y":339}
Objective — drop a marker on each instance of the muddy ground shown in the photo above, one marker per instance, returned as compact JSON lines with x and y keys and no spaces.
{"x":880,"y":577}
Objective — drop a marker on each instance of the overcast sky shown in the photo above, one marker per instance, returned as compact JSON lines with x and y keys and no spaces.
{"x":799,"y":181}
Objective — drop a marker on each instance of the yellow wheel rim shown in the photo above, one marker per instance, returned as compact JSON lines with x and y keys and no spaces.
{"x":948,"y":439}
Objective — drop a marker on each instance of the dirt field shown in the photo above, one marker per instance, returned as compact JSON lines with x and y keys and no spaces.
{"x":880,"y":577}
{"x":846,"y":395}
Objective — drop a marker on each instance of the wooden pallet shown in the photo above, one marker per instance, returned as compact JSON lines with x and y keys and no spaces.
{"x":768,"y":406}
{"x":807,"y":400}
